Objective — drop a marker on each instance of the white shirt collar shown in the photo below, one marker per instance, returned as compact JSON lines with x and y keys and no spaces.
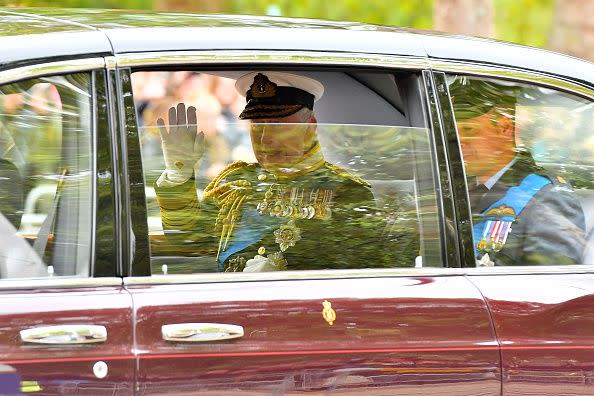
{"x":493,"y":179}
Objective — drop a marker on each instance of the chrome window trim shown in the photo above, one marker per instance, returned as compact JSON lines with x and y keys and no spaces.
{"x":94,"y":192}
{"x":553,"y":82}
{"x":48,"y":68}
{"x":39,"y":70}
{"x":443,"y":179}
{"x":508,"y":73}
{"x":271,"y":57}
{"x":57,"y":283}
{"x":323,"y":58}
{"x":110,"y":62}
{"x":348,"y":274}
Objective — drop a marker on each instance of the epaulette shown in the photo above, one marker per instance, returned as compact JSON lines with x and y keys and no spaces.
{"x":229,"y":197}
{"x":236,"y":166}
{"x":560,"y":183}
{"x":346,"y":174}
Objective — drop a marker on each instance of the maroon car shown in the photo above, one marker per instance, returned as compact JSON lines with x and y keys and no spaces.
{"x":434,"y":235}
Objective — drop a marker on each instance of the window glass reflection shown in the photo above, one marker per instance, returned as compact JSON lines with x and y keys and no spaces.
{"x":45,"y":177}
{"x":279,"y":190}
{"x":528,"y":155}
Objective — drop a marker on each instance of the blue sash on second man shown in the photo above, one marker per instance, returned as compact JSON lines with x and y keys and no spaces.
{"x":491,"y":233}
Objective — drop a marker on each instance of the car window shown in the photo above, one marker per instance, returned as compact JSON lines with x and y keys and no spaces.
{"x":45,"y":177}
{"x":529,"y":159}
{"x":276,"y":185}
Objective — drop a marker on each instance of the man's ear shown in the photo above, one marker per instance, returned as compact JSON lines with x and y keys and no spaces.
{"x":506,"y":126}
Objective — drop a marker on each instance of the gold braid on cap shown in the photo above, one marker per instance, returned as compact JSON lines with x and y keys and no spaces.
{"x":229,"y":197}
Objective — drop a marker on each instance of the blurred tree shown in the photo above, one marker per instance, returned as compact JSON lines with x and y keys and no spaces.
{"x":407,"y":13}
{"x":131,"y":4}
{"x":416,"y":14}
{"x":525,"y":22}
{"x":189,"y":5}
{"x":521,"y":21}
{"x":473,"y":17}
{"x":573,"y":28}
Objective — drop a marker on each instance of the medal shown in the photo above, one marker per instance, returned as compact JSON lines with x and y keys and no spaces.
{"x":494,"y":235}
{"x":277,"y":209}
{"x":287,"y":235}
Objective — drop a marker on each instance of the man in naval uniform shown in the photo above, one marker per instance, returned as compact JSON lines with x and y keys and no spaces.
{"x":291,"y":210}
{"x":522,"y":215}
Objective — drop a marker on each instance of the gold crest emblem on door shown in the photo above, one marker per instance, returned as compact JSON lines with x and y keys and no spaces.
{"x":328,"y":313}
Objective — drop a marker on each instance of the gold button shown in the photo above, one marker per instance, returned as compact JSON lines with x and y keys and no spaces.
{"x":262,"y":177}
{"x":261,"y":250}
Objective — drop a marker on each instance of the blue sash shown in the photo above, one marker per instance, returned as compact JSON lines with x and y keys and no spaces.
{"x":496,"y":225}
{"x":251,"y":228}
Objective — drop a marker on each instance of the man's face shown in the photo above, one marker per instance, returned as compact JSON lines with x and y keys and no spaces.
{"x":486,"y":141}
{"x":282,"y":142}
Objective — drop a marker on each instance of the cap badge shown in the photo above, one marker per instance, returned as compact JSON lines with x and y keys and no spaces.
{"x":262,"y":87}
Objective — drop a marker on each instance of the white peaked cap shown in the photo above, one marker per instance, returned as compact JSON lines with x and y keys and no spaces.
{"x":314,"y":87}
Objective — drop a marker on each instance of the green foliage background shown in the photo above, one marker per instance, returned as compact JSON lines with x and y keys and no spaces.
{"x":521,"y":21}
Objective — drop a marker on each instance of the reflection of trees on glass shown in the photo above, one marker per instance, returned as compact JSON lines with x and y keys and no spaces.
{"x":45,"y":166}
{"x":363,"y":207}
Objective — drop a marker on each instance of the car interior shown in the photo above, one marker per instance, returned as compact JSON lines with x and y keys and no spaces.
{"x":561,"y":117}
{"x":372,"y":124}
{"x":50,"y":159}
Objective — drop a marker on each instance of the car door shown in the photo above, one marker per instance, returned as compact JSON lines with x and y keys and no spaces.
{"x":66,"y":318}
{"x":408,"y":327}
{"x":540,"y":292}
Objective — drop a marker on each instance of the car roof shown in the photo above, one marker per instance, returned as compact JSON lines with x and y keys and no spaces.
{"x":75,"y":32}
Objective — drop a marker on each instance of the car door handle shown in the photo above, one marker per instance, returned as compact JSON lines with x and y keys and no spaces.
{"x":65,"y":334}
{"x":200,"y":332}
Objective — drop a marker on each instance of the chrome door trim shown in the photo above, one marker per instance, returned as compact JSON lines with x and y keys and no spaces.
{"x":271,"y":57}
{"x":48,"y":68}
{"x":200,"y":332}
{"x":462,"y":223}
{"x":508,"y":73}
{"x":65,"y":334}
{"x":58,"y":283}
{"x":350,"y":274}
{"x":446,"y":205}
{"x":324,"y":58}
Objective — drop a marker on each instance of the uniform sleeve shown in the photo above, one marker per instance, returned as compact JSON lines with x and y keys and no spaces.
{"x":554,"y":229}
{"x":188,"y":225}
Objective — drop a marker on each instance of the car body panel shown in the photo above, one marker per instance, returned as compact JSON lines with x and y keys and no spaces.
{"x":164,"y":39}
{"x":393,"y":332}
{"x":25,"y":38}
{"x":545,"y":326}
{"x":129,"y":31}
{"x":68,"y":369}
{"x":471,"y":49}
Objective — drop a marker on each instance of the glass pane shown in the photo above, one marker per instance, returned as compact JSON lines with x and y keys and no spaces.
{"x":45,"y":191}
{"x":529,"y":158}
{"x":268,"y":196}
